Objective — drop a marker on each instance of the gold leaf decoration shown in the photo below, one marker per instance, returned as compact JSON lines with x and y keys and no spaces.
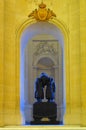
{"x":42,"y":13}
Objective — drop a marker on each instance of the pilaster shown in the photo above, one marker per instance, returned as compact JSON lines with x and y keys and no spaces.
{"x":83,"y":59}
{"x":1,"y":61}
{"x":75,"y":70}
{"x":9,"y":63}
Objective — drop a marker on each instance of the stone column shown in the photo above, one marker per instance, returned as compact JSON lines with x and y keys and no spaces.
{"x":34,"y":78}
{"x":35,"y":72}
{"x":57,"y":91}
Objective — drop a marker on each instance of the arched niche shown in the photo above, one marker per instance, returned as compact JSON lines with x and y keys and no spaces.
{"x":27,"y":34}
{"x":45,"y":65}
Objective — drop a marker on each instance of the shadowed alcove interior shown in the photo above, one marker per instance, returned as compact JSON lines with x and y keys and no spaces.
{"x":42,"y":50}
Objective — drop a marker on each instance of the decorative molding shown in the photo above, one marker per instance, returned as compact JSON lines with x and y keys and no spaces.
{"x":42,"y":13}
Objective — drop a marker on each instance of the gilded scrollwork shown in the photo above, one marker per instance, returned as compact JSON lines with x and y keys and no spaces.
{"x":42,"y":13}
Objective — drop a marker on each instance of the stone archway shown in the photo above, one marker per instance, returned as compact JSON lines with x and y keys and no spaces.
{"x":56,"y":33}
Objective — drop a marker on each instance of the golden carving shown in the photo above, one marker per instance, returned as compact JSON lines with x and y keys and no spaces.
{"x":42,"y":13}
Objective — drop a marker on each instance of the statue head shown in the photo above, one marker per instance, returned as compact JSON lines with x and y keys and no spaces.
{"x":43,"y":74}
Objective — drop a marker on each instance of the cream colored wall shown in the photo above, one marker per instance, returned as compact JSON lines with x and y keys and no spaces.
{"x":72,"y":14}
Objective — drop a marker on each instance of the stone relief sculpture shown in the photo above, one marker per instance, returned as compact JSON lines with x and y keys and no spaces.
{"x":45,"y":48}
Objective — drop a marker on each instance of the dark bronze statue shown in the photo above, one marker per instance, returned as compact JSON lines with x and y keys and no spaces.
{"x":44,"y":109}
{"x":41,"y":82}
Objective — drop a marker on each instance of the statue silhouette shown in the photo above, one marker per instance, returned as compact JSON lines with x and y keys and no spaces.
{"x":41,"y":82}
{"x":47,"y":109}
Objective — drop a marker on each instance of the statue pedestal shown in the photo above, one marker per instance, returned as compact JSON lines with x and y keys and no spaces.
{"x":46,"y":123}
{"x":45,"y":110}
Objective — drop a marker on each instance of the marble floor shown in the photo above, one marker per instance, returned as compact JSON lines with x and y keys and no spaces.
{"x":41,"y":127}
